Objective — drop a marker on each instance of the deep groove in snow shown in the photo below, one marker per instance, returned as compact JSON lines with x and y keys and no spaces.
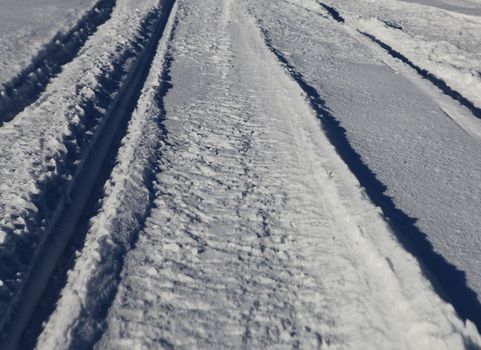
{"x":449,"y":282}
{"x":332,"y":12}
{"x":437,"y":82}
{"x":57,"y":237}
{"x":88,"y":327}
{"x":85,"y":118}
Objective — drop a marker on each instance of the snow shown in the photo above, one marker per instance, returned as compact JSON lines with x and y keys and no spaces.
{"x":23,"y":35}
{"x":28,"y":79}
{"x":397,"y":123}
{"x":288,"y":174}
{"x":114,"y":228}
{"x":43,"y":149}
{"x":468,"y":7}
{"x":257,"y":235}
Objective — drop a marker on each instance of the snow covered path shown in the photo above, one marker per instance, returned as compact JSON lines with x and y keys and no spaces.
{"x":251,"y":232}
{"x":181,"y":183}
{"x":414,"y":148}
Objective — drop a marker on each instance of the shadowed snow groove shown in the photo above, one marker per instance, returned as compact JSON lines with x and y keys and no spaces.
{"x":135,"y":149}
{"x":85,"y":121}
{"x":449,"y":282}
{"x":137,"y":194}
{"x":229,"y":220}
{"x":439,"y":83}
{"x":332,"y":12}
{"x":27,"y":86}
{"x":117,"y":112}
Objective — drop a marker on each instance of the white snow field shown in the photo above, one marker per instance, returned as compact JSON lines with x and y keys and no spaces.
{"x":217,"y":174}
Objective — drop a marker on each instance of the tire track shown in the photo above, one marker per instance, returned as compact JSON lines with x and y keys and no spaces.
{"x":248,"y":240}
{"x":448,"y":281}
{"x":423,"y":73}
{"x":76,"y":314}
{"x":117,"y":115}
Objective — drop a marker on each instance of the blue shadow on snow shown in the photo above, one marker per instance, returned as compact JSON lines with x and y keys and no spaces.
{"x":449,"y":282}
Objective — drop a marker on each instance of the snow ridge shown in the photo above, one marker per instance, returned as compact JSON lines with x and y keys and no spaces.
{"x":127,"y":202}
{"x":28,"y":227}
{"x":25,"y":88}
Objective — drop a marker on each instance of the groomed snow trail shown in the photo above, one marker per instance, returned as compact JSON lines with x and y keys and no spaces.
{"x":257,"y":235}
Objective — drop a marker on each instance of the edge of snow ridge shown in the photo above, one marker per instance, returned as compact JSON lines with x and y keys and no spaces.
{"x":28,"y":84}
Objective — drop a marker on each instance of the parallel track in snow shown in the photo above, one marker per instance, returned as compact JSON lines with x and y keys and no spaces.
{"x":225,"y":218}
{"x":258,"y":234}
{"x":56,"y":240}
{"x":436,"y":82}
{"x":447,"y":279}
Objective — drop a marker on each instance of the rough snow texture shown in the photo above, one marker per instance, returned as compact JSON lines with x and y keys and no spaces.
{"x":233,"y":217}
{"x":258,"y":234}
{"x":42,"y":151}
{"x":23,"y":79}
{"x":114,"y":230}
{"x":27,"y":27}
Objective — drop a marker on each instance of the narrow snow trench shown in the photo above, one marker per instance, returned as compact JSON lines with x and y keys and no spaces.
{"x":258,"y":234}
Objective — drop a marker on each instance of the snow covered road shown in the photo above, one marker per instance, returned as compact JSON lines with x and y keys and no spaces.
{"x":413,"y":147}
{"x":223,"y":215}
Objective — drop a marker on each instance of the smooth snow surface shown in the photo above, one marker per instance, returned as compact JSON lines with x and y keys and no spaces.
{"x":467,"y":7}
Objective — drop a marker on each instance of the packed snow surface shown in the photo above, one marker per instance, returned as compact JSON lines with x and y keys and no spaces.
{"x":257,"y":234}
{"x":468,"y":7}
{"x":419,"y":142}
{"x":246,"y":174}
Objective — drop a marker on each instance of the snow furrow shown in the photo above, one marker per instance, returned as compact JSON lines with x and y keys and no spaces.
{"x":28,"y":84}
{"x":442,"y":273}
{"x":335,"y":15}
{"x":384,"y":167}
{"x":77,"y":319}
{"x":439,"y":83}
{"x":444,"y":85}
{"x":231,"y":207}
{"x":80,"y":141}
